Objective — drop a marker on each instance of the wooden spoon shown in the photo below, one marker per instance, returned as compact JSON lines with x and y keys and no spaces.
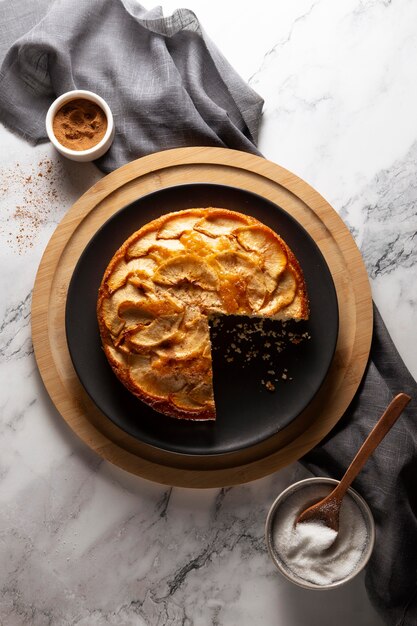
{"x":326,"y":511}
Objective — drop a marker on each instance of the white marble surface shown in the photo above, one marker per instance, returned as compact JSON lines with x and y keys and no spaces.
{"x":82,"y":542}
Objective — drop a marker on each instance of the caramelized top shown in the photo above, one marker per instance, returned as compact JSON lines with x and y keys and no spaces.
{"x":164,"y":283}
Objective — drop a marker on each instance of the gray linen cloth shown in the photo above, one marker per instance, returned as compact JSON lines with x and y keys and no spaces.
{"x":166,"y":83}
{"x":169,"y":86}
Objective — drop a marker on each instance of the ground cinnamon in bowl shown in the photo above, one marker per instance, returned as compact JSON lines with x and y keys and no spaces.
{"x":79,"y":124}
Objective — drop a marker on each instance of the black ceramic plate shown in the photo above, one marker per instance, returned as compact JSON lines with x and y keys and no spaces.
{"x":247,"y":412}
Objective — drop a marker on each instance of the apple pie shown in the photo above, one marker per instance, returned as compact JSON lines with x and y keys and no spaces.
{"x":169,"y":279}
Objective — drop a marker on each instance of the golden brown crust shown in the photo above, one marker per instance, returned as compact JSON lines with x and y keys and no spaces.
{"x":171,"y":258}
{"x":162,"y":406}
{"x":305,"y":305}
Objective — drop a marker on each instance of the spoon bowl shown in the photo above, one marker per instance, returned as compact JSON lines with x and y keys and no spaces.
{"x":274,"y":514}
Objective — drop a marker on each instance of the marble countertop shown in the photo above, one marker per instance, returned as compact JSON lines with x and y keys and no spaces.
{"x":81,"y":541}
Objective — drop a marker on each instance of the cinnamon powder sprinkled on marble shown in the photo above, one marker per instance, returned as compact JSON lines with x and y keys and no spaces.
{"x":33,"y":189}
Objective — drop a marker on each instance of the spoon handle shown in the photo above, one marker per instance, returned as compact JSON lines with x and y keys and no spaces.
{"x":381,"y":428}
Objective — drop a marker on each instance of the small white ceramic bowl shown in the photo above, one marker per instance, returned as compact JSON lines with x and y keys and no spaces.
{"x":285,"y":571}
{"x":81,"y":155}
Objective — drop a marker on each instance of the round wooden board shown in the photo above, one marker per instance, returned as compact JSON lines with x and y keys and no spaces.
{"x":209,"y":165}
